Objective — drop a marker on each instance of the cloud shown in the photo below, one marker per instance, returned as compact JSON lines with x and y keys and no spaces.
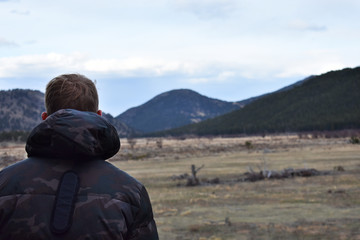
{"x":221,"y":77}
{"x":131,"y":66}
{"x":50,"y":64}
{"x":322,"y":61}
{"x":207,"y":9}
{"x":35,"y":65}
{"x":7,"y":43}
{"x":304,"y":26}
{"x":192,"y":72}
{"x":20,"y":12}
{"x":30,"y":42}
{"x":77,"y":62}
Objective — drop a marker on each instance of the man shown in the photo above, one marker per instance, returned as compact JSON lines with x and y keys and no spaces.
{"x":65,"y":189}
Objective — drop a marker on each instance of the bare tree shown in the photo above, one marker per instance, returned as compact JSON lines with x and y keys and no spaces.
{"x":159,"y":143}
{"x":193,"y":180}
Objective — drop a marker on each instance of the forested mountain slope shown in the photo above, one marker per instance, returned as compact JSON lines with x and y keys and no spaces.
{"x":330,"y":101}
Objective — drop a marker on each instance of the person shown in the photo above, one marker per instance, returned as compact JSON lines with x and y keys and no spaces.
{"x":65,"y":189}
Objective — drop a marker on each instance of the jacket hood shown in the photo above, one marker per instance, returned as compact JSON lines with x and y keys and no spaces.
{"x":73,"y":134}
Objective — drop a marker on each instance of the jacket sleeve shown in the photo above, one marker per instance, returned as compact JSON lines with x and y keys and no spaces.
{"x":144,"y":227}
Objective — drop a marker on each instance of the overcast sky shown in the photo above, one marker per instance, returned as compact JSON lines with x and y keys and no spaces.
{"x":225,"y":49}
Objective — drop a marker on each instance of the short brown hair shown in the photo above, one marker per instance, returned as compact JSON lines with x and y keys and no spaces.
{"x":73,"y":91}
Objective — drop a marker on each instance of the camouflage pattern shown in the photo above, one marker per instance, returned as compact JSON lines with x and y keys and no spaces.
{"x":110,"y":204}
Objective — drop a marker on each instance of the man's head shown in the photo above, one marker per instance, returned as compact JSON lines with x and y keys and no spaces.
{"x":73,"y":91}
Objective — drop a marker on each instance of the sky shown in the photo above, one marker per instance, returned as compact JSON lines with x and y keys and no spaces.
{"x":225,"y":49}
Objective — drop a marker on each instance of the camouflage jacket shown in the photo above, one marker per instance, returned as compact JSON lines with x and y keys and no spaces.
{"x":66,"y":190}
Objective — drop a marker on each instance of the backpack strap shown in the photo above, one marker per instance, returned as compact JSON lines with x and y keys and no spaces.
{"x":63,"y":209}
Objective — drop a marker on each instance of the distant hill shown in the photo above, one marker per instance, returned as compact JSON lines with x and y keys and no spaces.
{"x":242,"y":103}
{"x":123,"y":129}
{"x":326,"y":102}
{"x":173,"y":109}
{"x":20,"y":110}
{"x":330,"y":101}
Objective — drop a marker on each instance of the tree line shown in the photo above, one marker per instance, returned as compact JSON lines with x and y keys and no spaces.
{"x":14,"y":136}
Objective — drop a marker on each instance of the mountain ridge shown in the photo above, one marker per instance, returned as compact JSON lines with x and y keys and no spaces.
{"x":175,"y":108}
{"x":329,"y":101}
{"x":325,"y":102}
{"x":20,"y":110}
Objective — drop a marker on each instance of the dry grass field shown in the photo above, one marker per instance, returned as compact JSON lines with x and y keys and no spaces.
{"x":317,"y":207}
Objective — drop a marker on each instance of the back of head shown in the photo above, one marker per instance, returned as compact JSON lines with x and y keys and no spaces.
{"x":73,"y":91}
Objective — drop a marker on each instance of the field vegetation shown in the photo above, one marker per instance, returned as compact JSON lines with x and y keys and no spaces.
{"x":325,"y":206}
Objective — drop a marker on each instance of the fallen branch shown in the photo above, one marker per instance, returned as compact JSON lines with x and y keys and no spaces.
{"x":251,"y":175}
{"x":286,"y":173}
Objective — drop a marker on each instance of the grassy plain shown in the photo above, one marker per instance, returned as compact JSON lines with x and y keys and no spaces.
{"x":318,"y":207}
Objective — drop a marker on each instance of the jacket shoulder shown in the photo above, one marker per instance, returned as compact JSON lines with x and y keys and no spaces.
{"x":101,"y":177}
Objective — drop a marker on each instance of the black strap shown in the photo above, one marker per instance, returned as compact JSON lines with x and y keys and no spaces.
{"x":63,"y":209}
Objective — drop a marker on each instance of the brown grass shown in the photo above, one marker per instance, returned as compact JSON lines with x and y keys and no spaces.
{"x":321,"y":207}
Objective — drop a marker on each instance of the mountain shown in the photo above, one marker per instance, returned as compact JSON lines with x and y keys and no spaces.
{"x":173,"y":109}
{"x":326,"y":102}
{"x":123,"y":129}
{"x":242,"y":103}
{"x":20,"y":110}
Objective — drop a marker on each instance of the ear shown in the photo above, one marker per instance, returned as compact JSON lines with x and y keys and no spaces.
{"x":99,"y":112}
{"x":44,"y":115}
